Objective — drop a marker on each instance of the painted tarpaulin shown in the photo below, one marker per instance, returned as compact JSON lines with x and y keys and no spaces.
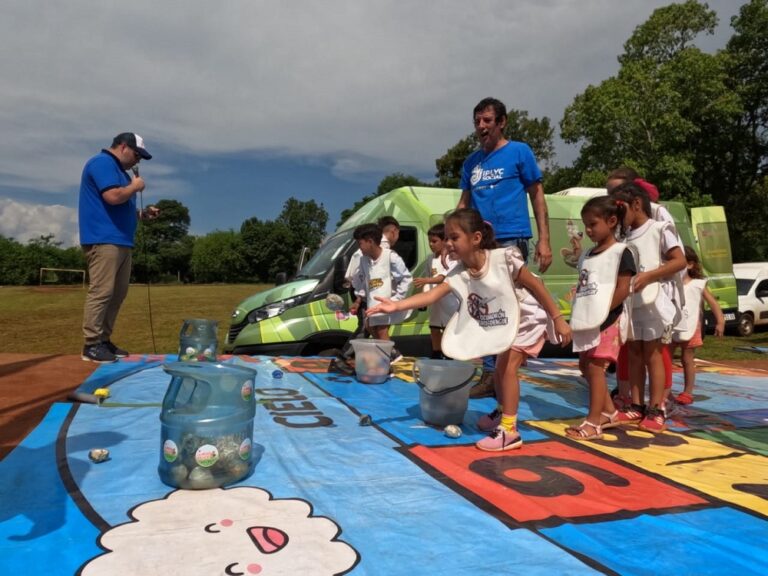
{"x":331,"y":496}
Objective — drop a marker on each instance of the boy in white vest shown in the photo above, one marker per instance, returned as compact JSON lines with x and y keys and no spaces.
{"x":690,"y":339}
{"x":382,"y":273}
{"x":436,"y":269}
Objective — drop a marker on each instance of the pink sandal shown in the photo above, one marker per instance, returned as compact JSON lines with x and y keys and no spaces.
{"x":580,"y":433}
{"x":613,"y":420}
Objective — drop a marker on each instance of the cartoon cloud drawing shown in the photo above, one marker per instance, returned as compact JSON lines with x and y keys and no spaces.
{"x":239,"y":531}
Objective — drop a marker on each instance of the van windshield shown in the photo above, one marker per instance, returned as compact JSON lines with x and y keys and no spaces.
{"x":319,"y":265}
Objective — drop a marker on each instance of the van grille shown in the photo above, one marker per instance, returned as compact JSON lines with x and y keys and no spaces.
{"x":234,"y":330}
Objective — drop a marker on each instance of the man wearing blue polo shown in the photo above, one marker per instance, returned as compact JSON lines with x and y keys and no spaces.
{"x":496,"y":180}
{"x":107,"y":219}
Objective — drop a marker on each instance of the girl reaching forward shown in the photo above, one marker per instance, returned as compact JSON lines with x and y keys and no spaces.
{"x":503,"y":310}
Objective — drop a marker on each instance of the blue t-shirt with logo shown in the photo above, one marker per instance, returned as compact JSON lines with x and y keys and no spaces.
{"x":102,"y":223}
{"x":497,"y":183}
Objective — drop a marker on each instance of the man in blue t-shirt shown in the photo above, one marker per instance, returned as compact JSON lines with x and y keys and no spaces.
{"x":495,"y":181}
{"x":107,"y":218}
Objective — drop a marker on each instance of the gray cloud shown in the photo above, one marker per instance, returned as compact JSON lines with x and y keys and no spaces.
{"x":392,"y":82}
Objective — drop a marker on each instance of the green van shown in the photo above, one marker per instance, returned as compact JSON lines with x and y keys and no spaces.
{"x":292,"y":318}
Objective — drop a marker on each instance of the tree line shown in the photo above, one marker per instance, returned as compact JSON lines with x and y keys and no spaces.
{"x":695,"y":124}
{"x":164,"y":250}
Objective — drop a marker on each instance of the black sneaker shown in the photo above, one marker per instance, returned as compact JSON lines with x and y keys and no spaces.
{"x":116,"y":350}
{"x":98,"y":353}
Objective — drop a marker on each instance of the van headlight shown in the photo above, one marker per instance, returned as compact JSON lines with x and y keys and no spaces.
{"x":274,"y":308}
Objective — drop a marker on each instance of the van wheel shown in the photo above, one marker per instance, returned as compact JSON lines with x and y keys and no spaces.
{"x":746,"y":324}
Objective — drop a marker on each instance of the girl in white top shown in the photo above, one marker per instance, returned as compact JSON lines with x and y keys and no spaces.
{"x":436,"y":269}
{"x":619,"y":176}
{"x":491,"y":318}
{"x":689,"y":340}
{"x":659,"y":258}
{"x":597,"y":316}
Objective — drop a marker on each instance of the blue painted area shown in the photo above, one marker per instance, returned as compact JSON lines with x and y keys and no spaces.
{"x":308,"y":444}
{"x":394,"y":407}
{"x":348,"y":472}
{"x":106,"y":374}
{"x":41,"y":528}
{"x":717,"y":541}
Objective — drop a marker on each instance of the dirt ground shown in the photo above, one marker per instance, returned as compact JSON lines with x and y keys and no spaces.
{"x":30,"y":383}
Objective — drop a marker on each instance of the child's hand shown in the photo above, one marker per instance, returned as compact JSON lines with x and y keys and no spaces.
{"x":353,"y":309}
{"x":387,"y":306}
{"x":640,"y":281}
{"x":720,"y":329}
{"x":563,"y":330}
{"x":420,"y":282}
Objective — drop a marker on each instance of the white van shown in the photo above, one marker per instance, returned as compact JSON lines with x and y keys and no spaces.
{"x":752,"y":287}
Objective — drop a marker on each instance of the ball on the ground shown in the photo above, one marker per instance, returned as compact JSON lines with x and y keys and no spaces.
{"x":452,"y":431}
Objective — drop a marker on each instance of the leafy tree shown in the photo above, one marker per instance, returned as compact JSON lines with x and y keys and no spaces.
{"x":273,"y":247}
{"x":11,"y":258}
{"x":218,"y":257}
{"x":387,"y":184}
{"x":737,"y":163}
{"x":659,"y":112}
{"x":537,"y":133}
{"x":163,"y":245}
{"x":306,"y":221}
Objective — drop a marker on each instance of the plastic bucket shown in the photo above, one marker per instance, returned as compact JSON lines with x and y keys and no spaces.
{"x":443,"y":389}
{"x":207,"y":425}
{"x":372,"y":359}
{"x":197,"y":340}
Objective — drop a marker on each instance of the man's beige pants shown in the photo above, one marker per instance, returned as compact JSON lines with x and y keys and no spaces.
{"x":109,"y":273}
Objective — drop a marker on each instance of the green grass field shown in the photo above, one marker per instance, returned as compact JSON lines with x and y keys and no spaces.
{"x":47,"y":320}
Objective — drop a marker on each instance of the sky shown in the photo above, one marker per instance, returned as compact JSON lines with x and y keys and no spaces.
{"x":246,"y":103}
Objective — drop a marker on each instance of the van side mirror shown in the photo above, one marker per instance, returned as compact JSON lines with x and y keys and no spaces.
{"x":762,"y":293}
{"x":280,"y":278}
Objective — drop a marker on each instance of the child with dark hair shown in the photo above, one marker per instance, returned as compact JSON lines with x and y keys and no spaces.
{"x":436,"y":269}
{"x":597,"y":317}
{"x":659,"y":257}
{"x":382,"y":274}
{"x":390,"y":231}
{"x":689,"y":340}
{"x":492,"y":317}
{"x":617,"y":177}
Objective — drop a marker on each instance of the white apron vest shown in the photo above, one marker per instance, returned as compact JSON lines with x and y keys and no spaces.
{"x":442,"y":310}
{"x":694,"y":291}
{"x":380,"y":284}
{"x":489,"y":314}
{"x":648,"y":256}
{"x":595,"y":288}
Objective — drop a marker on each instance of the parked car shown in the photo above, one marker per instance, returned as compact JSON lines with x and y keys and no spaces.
{"x":752,"y":287}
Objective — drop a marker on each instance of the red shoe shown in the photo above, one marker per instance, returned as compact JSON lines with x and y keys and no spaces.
{"x":684,"y":398}
{"x":654,"y":421}
{"x":631,"y":413}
